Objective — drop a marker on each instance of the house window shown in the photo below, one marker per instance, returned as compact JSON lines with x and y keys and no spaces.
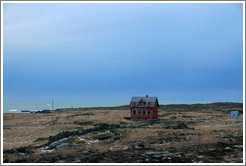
{"x":134,"y":112}
{"x":141,"y":103}
{"x":144,"y":112}
{"x":139,"y":112}
{"x":148,"y":112}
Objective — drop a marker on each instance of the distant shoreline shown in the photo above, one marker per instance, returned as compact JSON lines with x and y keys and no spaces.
{"x":126,"y":107}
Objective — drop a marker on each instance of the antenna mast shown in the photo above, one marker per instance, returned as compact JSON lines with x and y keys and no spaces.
{"x":52,"y":104}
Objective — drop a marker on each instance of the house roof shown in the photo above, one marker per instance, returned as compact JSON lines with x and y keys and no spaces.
{"x":144,"y":102}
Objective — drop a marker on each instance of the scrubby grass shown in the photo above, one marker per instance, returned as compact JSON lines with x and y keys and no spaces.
{"x":210,"y":127}
{"x":103,"y":136}
{"x":41,"y":139}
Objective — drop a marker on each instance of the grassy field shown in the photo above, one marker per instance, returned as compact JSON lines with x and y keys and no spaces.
{"x":182,"y":133}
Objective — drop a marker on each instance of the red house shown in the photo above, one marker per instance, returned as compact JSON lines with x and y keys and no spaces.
{"x":144,"y":107}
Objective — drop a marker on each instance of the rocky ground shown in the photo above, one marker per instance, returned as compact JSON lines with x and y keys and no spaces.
{"x":182,"y":134}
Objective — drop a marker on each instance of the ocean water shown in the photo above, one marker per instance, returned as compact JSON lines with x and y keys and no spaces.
{"x":18,"y":106}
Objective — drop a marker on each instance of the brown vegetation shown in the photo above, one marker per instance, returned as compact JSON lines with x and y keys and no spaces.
{"x":182,"y":133}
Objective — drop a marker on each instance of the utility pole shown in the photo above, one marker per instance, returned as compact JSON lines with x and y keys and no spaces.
{"x":52,"y":105}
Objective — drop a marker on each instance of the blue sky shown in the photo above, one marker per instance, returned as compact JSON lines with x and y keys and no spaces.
{"x":181,"y":53}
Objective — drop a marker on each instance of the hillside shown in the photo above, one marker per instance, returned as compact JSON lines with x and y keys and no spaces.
{"x":218,"y":106}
